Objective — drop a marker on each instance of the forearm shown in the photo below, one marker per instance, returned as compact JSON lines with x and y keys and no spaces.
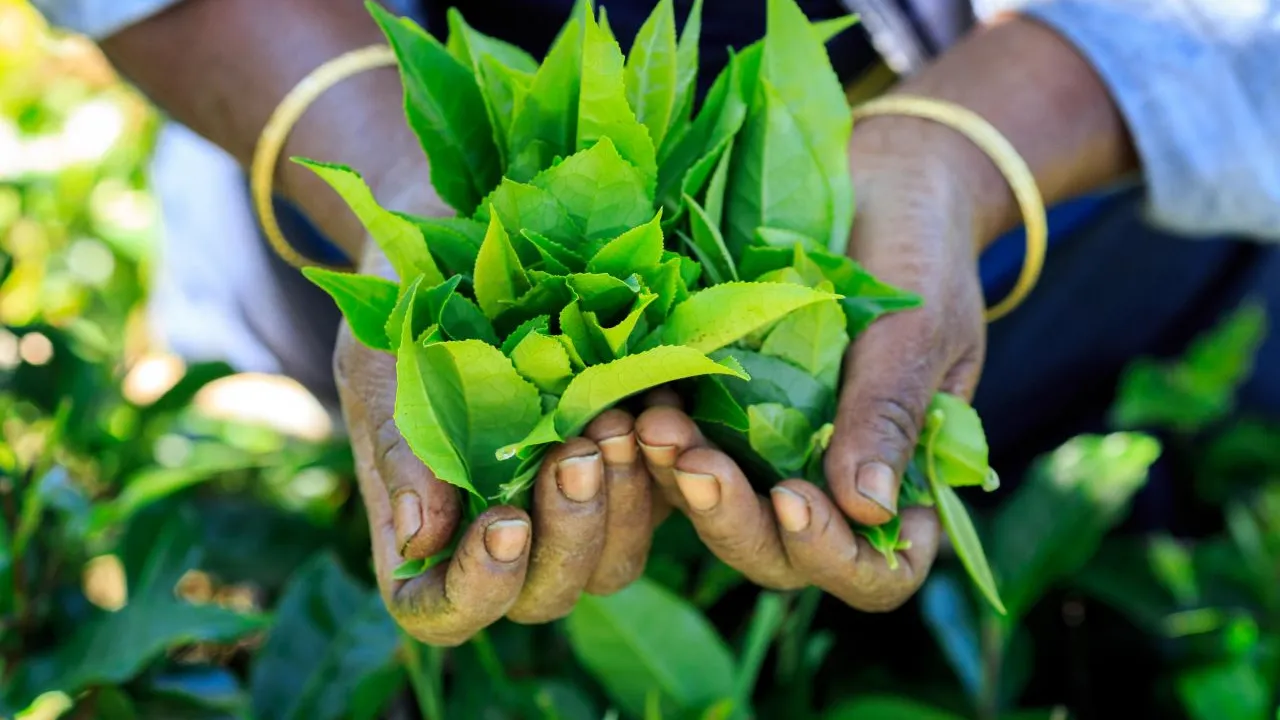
{"x":221,"y":67}
{"x":1038,"y":91}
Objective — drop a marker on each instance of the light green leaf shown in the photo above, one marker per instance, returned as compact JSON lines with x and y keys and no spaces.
{"x":1233,"y":688}
{"x":603,"y":193}
{"x":718,"y":185}
{"x":403,"y":307}
{"x":398,"y":238}
{"x":780,"y":435}
{"x":417,"y":418}
{"x":712,"y":251}
{"x":864,"y":298}
{"x":813,"y":338}
{"x":1055,"y":520}
{"x":662,"y":281}
{"x":523,"y":207}
{"x":469,"y":46}
{"x":553,"y":252}
{"x":446,"y":111}
{"x":365,"y":301}
{"x":957,"y":444}
{"x":777,"y":237}
{"x":482,"y":404}
{"x":651,"y":72}
{"x":796,"y":66}
{"x":536,"y":324}
{"x":778,"y":381}
{"x":721,"y":116}
{"x":454,"y":242}
{"x":637,"y":249}
{"x":602,"y":105}
{"x":719,"y":315}
{"x":687,"y":52}
{"x":645,"y":639}
{"x":455,"y":315}
{"x":776,"y":179}
{"x":543,"y":361}
{"x":964,"y":539}
{"x":886,"y":539}
{"x":615,"y":338}
{"x":499,"y":277}
{"x":826,"y":30}
{"x":546,"y":123}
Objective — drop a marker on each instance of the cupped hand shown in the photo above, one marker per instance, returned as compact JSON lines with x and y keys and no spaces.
{"x":914,"y":230}
{"x":589,"y":528}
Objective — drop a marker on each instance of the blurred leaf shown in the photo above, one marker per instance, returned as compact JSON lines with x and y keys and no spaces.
{"x":1200,"y":388}
{"x":950,"y":616}
{"x":887,"y":708}
{"x":643,"y":639}
{"x":237,"y":529}
{"x":766,"y":621}
{"x":375,"y":691}
{"x":184,"y":391}
{"x":1055,"y":521}
{"x":331,"y":634}
{"x":209,"y":687}
{"x":112,"y":647}
{"x":1233,"y":691}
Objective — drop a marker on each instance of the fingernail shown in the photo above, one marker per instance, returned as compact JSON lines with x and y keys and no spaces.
{"x":875,"y":483}
{"x":619,"y":450}
{"x":702,"y":492}
{"x":663,"y":456}
{"x":792,"y":509}
{"x":407,"y":517}
{"x":579,"y":477}
{"x":505,"y":539}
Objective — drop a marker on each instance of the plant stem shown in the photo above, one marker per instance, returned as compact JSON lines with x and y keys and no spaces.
{"x":993,"y":646}
{"x":425,"y":677}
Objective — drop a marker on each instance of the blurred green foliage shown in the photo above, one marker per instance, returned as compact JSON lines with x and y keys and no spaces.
{"x":163,"y":557}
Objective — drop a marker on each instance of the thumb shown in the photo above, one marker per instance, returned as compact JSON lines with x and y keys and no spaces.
{"x":891,"y":373}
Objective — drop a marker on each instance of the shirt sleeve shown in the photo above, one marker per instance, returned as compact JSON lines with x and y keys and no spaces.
{"x":1196,"y":81}
{"x":99,"y":19}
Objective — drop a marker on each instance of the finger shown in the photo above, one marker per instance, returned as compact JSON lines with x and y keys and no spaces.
{"x":664,"y":434}
{"x":889,"y":381}
{"x":450,"y":603}
{"x":822,"y":546}
{"x":630,"y":516}
{"x":663,"y":396}
{"x":423,"y":511}
{"x":568,"y":531}
{"x":735,"y":523}
{"x":962,"y":379}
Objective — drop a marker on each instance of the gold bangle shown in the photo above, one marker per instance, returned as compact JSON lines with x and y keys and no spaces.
{"x":281,"y":122}
{"x":1006,"y":159}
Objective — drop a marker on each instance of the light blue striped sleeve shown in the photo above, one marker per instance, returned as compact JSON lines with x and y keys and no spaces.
{"x":99,"y":18}
{"x":1198,"y":82}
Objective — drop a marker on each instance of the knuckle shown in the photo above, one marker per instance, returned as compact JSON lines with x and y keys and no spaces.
{"x":896,"y":422}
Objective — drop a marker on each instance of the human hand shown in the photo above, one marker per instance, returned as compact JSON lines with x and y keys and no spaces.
{"x":916,"y":230}
{"x":589,"y":528}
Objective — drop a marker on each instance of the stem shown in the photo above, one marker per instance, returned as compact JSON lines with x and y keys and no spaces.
{"x":993,"y":646}
{"x":425,"y":677}
{"x":489,"y":659}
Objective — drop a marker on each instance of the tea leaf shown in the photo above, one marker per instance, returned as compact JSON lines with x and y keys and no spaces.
{"x":399,"y":240}
{"x":546,"y":124}
{"x":537,"y":324}
{"x":814,"y":338}
{"x":651,"y":72}
{"x":886,"y":539}
{"x":863,"y":297}
{"x":777,"y":381}
{"x":956,"y":443}
{"x":603,"y":193}
{"x":721,"y":116}
{"x":722,"y":314}
{"x":499,"y":276}
{"x":602,"y":105}
{"x":780,"y":434}
{"x":543,"y":361}
{"x":456,"y":316}
{"x":553,"y":252}
{"x":446,"y":111}
{"x":454,"y":242}
{"x":687,"y":66}
{"x":964,"y":538}
{"x":503,"y":71}
{"x":504,"y":90}
{"x":470,"y":46}
{"x":631,"y":252}
{"x":718,"y":186}
{"x":796,"y":66}
{"x":523,"y":207}
{"x":713,"y":403}
{"x":644,"y":639}
{"x":416,"y":415}
{"x":709,"y":242}
{"x":365,"y":301}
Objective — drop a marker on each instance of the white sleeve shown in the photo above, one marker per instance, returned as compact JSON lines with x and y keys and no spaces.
{"x":99,"y":19}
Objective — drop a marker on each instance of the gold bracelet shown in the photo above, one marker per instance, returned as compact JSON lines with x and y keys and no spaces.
{"x":1006,"y":159}
{"x":281,"y":122}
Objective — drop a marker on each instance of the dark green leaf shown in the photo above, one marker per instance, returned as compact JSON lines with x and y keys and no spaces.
{"x":1233,"y":689}
{"x":709,"y":243}
{"x":885,"y":707}
{"x":780,"y":434}
{"x":714,"y":404}
{"x":365,"y":301}
{"x":777,"y":381}
{"x":454,"y":242}
{"x":950,"y":616}
{"x":652,"y":72}
{"x":546,"y":124}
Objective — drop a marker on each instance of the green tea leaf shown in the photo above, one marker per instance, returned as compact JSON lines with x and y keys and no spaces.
{"x":780,"y":435}
{"x":446,"y":111}
{"x":635,"y":250}
{"x":957,"y":444}
{"x":719,"y":315}
{"x":651,"y":72}
{"x":482,"y":404}
{"x":644,"y":639}
{"x":813,"y":338}
{"x":499,"y":277}
{"x":886,"y":539}
{"x":863,"y":297}
{"x":713,"y":403}
{"x":404,"y":305}
{"x":543,"y":361}
{"x":365,"y":301}
{"x":718,"y":185}
{"x":470,"y":46}
{"x":796,"y":66}
{"x":709,"y":243}
{"x":503,"y":71}
{"x":417,"y":418}
{"x":663,"y":281}
{"x":523,"y":207}
{"x":687,"y":52}
{"x":454,"y":242}
{"x":546,"y":124}
{"x":553,"y":252}
{"x":885,"y":707}
{"x":777,"y":237}
{"x":964,"y":539}
{"x":456,"y":316}
{"x":537,"y":324}
{"x":399,"y":240}
{"x":827,"y":30}
{"x":603,"y":193}
{"x":777,"y":381}
{"x":602,"y":105}
{"x":721,"y":116}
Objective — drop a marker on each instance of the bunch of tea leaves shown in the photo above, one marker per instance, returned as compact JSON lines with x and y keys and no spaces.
{"x":609,"y":239}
